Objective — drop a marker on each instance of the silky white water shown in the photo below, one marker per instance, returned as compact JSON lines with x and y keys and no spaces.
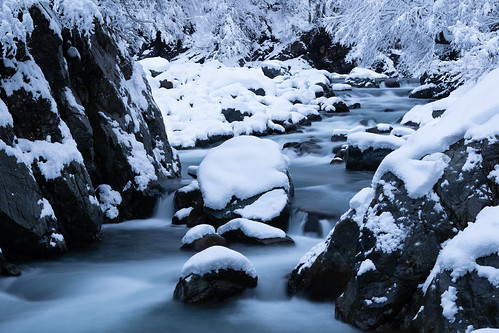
{"x":125,"y":282}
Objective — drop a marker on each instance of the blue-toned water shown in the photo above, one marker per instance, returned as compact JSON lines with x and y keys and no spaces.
{"x":125,"y":282}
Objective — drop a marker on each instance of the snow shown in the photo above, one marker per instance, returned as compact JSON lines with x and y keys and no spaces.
{"x":366,"y":140}
{"x":420,"y":163}
{"x":356,"y":129}
{"x":241,"y":167}
{"x":366,"y":266}
{"x":46,"y":209}
{"x":109,"y":201}
{"x":197,"y":232}
{"x":72,"y":101}
{"x":5,"y":116}
{"x":341,"y":86}
{"x":56,"y":239}
{"x":360,"y":203}
{"x":494,"y":174}
{"x":157,"y":64}
{"x":268,"y":206}
{"x":252,"y":229}
{"x":183,"y":213}
{"x":448,"y":304}
{"x":486,"y":330}
{"x":138,"y":159}
{"x":402,"y":131}
{"x":192,"y":110}
{"x":459,"y":255}
{"x":311,"y":256}
{"x":389,"y":235}
{"x":364,"y":73}
{"x":474,"y":159}
{"x":193,"y":186}
{"x":216,"y":258}
{"x":423,"y":87}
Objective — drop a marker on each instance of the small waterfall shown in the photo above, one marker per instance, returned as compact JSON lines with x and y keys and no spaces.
{"x":297,"y":222}
{"x":164,"y":207}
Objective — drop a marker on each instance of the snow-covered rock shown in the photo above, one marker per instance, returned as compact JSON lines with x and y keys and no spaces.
{"x":213,"y":275}
{"x":212,"y":102}
{"x":91,"y":127}
{"x":201,"y":237}
{"x":437,"y":191}
{"x":248,"y":231}
{"x":366,"y":150}
{"x":364,"y":78}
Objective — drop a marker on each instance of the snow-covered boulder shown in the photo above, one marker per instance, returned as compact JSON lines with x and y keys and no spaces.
{"x":201,"y":237}
{"x":462,"y":287}
{"x":248,"y":231}
{"x":364,"y":78}
{"x":244,"y":177}
{"x":410,"y":233}
{"x":213,"y":275}
{"x":366,"y":150}
{"x":95,"y":123}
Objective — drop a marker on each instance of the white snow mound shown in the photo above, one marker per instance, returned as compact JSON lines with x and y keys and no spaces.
{"x":241,"y":167}
{"x":478,"y":240}
{"x":197,"y":232}
{"x":252,"y":229}
{"x":268,"y":206}
{"x":216,"y":258}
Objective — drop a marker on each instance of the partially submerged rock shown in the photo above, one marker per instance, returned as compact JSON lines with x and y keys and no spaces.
{"x":248,"y":231}
{"x":215,"y":274}
{"x":367,"y":150}
{"x":201,"y":237}
{"x":243,"y":177}
{"x":419,"y":245}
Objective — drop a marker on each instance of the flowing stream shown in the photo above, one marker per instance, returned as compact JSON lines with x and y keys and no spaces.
{"x":125,"y":282}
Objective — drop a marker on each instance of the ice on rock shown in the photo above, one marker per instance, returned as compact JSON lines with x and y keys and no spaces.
{"x":241,"y":168}
{"x":217,"y":258}
{"x":197,"y":232}
{"x":252,"y":229}
{"x":268,"y":206}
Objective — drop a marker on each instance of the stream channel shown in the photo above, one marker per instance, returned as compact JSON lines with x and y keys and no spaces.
{"x":125,"y":282}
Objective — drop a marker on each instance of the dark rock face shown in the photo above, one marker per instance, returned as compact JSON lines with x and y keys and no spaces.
{"x":474,"y":303}
{"x":400,"y":238}
{"x":306,"y":147}
{"x":368,"y":159}
{"x":232,"y":115}
{"x":95,"y":123}
{"x":205,"y":242}
{"x":213,"y":287}
{"x":8,"y":269}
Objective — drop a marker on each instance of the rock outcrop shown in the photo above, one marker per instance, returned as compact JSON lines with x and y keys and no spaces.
{"x":415,"y":250}
{"x":243,"y":177}
{"x":213,"y":275}
{"x":75,"y":113}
